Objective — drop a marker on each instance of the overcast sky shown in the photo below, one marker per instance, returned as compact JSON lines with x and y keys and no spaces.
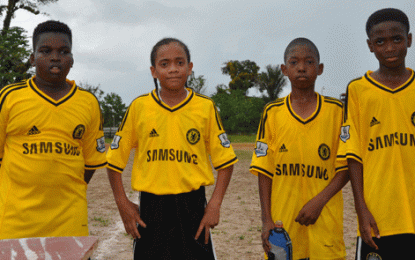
{"x":112,"y":40}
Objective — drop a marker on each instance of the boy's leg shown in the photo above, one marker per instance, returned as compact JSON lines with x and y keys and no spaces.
{"x":390,"y":247}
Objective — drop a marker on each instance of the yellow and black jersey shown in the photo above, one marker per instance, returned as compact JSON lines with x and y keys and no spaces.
{"x":45,"y":147}
{"x":379,"y":132}
{"x":172,"y":144}
{"x":299,"y":155}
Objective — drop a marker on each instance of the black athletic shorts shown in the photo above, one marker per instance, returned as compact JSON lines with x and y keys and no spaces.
{"x":390,"y":248}
{"x":172,"y":222}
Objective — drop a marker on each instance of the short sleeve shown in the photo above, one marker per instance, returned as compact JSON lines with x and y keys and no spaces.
{"x":218,"y":144}
{"x":262,"y":161}
{"x":124,"y":140}
{"x":350,"y":143}
{"x":94,"y":142}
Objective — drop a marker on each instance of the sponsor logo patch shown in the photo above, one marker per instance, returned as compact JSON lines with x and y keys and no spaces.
{"x":224,"y":140}
{"x":101,"y":144}
{"x":261,"y":149}
{"x":345,"y":135}
{"x":33,"y":131}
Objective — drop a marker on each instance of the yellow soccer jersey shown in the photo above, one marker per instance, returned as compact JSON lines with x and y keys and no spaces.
{"x":299,"y":155}
{"x":379,"y":132}
{"x":172,"y":144}
{"x":45,"y":147}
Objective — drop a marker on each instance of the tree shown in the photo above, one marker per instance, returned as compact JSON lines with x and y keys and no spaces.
{"x":239,"y":113}
{"x":12,"y":6}
{"x":197,"y":84}
{"x":113,"y":109}
{"x":271,"y":82}
{"x":243,"y":74}
{"x":14,"y":52}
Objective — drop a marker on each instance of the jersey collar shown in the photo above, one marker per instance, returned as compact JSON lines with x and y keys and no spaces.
{"x":387,"y":89}
{"x":298,"y":118}
{"x":176,"y":107}
{"x":71,"y":92}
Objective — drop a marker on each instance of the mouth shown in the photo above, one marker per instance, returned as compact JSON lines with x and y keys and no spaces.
{"x":391,"y":59}
{"x":55,"y":69}
{"x":302,"y":78}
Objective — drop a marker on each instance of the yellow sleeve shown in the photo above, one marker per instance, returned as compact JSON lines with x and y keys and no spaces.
{"x":218,"y":144}
{"x":124,"y":140}
{"x":350,"y":146}
{"x":94,"y":142}
{"x":262,"y":161}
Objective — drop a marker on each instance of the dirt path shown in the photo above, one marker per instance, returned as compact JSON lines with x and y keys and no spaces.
{"x":236,"y":237}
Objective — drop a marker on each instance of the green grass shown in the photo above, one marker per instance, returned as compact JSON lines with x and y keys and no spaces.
{"x":244,"y":155}
{"x":242,"y":138}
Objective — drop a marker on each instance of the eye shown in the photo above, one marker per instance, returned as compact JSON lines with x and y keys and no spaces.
{"x":164,"y":64}
{"x":397,"y":39}
{"x":293,"y":62}
{"x":310,"y":62}
{"x":45,"y":51}
{"x":379,"y":41}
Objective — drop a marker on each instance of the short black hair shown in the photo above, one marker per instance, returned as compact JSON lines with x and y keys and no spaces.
{"x":301,"y":41}
{"x":50,"y":26}
{"x":387,"y":14}
{"x":166,"y":41}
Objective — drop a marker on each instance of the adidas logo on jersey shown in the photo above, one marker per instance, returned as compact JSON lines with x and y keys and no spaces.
{"x":153,"y":133}
{"x":374,"y":122}
{"x":33,"y":131}
{"x":283,"y":149}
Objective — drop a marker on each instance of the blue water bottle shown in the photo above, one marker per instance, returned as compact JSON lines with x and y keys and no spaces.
{"x":281,"y":247}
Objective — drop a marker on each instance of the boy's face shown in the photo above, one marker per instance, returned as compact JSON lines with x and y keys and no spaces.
{"x":389,"y":42}
{"x":302,"y":67}
{"x":171,"y":66}
{"x":52,"y":57}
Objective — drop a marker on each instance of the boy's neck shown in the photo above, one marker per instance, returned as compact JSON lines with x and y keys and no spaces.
{"x":303,"y":101}
{"x":391,"y":77}
{"x":55,"y":91}
{"x":172,"y":97}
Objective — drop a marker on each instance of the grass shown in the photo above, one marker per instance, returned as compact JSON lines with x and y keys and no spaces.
{"x":235,"y":138}
{"x":243,"y":155}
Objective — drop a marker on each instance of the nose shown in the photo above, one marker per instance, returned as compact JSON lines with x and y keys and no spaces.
{"x":173,"y":68}
{"x":390,"y":46}
{"x":301,"y":66}
{"x":54,"y":56}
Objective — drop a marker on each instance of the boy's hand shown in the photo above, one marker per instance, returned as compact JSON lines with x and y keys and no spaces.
{"x":131,"y":217}
{"x":367,"y":223}
{"x":266,"y":227}
{"x":210,"y":220}
{"x":310,"y":212}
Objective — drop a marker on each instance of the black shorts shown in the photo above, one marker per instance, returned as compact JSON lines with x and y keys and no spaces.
{"x":390,"y":248}
{"x":172,"y":222}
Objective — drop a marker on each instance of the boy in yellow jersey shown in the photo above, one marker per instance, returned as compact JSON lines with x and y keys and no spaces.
{"x":378,"y":142}
{"x":51,"y":142}
{"x":294,"y":159}
{"x":177,"y":134}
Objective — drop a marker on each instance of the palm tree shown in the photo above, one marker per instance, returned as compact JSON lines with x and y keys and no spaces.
{"x":272,"y":82}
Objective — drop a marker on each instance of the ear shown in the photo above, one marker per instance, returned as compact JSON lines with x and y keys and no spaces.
{"x":283,"y":69}
{"x":320,"y":68}
{"x":370,"y":45}
{"x":409,"y":40}
{"x":32,"y":59}
{"x":190,"y":67}
{"x":153,"y":72}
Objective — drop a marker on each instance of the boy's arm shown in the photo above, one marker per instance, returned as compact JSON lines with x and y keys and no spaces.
{"x":265,"y":187}
{"x":366,"y":220}
{"x":310,"y":212}
{"x":129,"y":211}
{"x":211,"y":217}
{"x":88,"y":175}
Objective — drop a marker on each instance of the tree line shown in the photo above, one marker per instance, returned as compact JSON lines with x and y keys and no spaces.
{"x":240,"y":113}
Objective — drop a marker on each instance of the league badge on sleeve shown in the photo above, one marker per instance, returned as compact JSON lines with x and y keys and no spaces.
{"x":115,"y":142}
{"x":345,"y":135}
{"x":101,"y":144}
{"x":261,"y":149}
{"x":224,"y":140}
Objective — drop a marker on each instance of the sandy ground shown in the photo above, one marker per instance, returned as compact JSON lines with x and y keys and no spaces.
{"x":236,"y":237}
